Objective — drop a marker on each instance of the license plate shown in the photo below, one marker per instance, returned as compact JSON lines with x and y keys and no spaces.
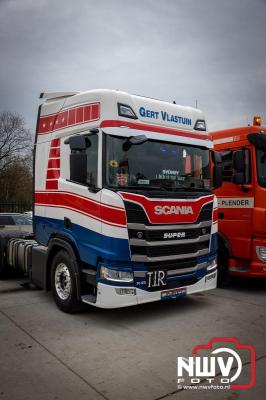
{"x":173,"y":293}
{"x":156,"y":280}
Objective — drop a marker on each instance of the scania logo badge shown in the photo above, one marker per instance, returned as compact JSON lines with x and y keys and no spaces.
{"x":140,"y":235}
{"x":168,"y":210}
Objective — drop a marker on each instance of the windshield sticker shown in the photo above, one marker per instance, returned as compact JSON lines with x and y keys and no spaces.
{"x":122,"y":179}
{"x":170,"y":172}
{"x":113,"y":163}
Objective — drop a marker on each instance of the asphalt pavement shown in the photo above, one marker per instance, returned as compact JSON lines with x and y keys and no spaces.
{"x":124,"y":353}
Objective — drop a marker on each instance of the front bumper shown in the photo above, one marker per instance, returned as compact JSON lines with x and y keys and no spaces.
{"x":107,"y":296}
{"x":254,"y":267}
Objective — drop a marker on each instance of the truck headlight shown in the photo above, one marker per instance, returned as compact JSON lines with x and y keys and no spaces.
{"x":212,"y":264}
{"x":261,"y":253}
{"x":115,"y":275}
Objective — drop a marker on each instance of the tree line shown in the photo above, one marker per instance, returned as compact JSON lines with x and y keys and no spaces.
{"x":16,"y":154}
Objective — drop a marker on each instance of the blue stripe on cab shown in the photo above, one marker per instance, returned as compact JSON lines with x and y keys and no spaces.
{"x":90,"y":244}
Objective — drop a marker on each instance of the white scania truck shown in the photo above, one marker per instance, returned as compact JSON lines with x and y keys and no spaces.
{"x":123,"y":206}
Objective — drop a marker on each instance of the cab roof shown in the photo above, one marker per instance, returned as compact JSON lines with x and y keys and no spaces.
{"x":235,"y":134}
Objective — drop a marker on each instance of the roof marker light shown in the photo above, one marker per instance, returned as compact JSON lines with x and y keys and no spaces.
{"x":257,"y":120}
{"x":126,"y":111}
{"x":200,"y":125}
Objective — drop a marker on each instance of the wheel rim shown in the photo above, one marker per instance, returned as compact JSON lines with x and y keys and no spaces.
{"x":62,"y":281}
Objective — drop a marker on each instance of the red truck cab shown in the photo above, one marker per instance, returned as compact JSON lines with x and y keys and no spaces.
{"x":242,"y":201}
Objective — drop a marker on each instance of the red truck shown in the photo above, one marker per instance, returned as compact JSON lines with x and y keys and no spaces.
{"x":242,"y":201}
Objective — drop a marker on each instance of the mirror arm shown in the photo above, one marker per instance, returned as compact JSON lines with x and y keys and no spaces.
{"x":93,"y":189}
{"x":246,"y":187}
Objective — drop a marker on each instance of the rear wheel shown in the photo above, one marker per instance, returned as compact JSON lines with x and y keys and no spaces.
{"x":2,"y":271}
{"x":3,"y":264}
{"x":63,"y":283}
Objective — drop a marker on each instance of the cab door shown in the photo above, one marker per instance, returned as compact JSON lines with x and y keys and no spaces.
{"x":236,"y":201}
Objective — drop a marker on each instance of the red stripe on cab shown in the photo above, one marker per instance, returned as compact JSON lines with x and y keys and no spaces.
{"x":52,"y":185}
{"x":54,"y":163}
{"x":154,"y":128}
{"x":53,"y":174}
{"x":108,"y":214}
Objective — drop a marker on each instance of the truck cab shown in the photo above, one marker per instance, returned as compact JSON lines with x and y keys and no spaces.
{"x":241,"y":201}
{"x":123,"y":206}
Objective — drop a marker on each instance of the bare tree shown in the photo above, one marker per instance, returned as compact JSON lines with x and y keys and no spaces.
{"x":15,"y":138}
{"x":16,"y":182}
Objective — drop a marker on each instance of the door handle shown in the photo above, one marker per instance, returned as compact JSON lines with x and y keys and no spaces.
{"x":67,"y":223}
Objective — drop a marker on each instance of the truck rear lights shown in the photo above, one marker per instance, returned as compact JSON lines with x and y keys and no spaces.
{"x":126,"y":291}
{"x":115,"y":275}
{"x":212,"y":264}
{"x":261,"y":253}
{"x":200,"y":125}
{"x":126,"y":111}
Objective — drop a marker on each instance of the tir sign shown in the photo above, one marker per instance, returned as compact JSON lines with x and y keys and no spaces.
{"x":156,"y":279}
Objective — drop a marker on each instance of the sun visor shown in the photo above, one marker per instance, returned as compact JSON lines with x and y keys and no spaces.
{"x":189,"y":138}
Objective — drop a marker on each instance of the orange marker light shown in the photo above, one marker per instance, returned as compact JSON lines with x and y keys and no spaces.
{"x":257,"y":120}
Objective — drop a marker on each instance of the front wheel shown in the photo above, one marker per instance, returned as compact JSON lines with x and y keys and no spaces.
{"x":63,"y":283}
{"x":223,"y":278}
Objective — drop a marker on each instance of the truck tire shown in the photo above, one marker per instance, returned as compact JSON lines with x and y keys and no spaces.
{"x":63,"y":283}
{"x":2,"y":271}
{"x":2,"y":258}
{"x":223,"y":277}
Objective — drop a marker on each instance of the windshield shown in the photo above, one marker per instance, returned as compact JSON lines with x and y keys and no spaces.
{"x":156,"y":165}
{"x":261,"y":167}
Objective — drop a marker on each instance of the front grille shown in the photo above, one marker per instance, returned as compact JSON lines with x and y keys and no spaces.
{"x":158,"y":235}
{"x":159,"y":251}
{"x":136,"y":214}
{"x":174,"y":241}
{"x":171,"y":265}
{"x":206,"y":213}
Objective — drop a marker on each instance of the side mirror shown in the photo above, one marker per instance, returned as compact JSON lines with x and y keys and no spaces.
{"x":78,"y":158}
{"x":217,"y":172}
{"x":241,"y":167}
{"x":239,"y":160}
{"x":134,"y":140}
{"x":78,"y":142}
{"x":258,"y":140}
{"x":239,"y":178}
{"x":78,"y":167}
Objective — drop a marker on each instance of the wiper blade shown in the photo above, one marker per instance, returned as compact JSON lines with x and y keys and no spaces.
{"x":185,"y":188}
{"x":143,"y":187}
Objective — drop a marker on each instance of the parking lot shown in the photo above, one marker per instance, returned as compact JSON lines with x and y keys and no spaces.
{"x":124,"y":353}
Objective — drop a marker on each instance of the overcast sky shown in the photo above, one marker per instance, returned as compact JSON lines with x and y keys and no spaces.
{"x":212,"y":51}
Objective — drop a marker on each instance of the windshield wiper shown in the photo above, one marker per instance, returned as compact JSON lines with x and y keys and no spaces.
{"x":170,"y":185}
{"x":143,"y":187}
